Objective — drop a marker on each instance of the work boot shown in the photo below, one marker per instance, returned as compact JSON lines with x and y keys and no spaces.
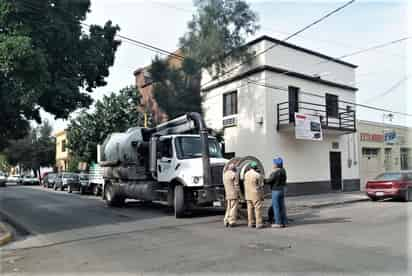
{"x":276,"y":226}
{"x":259,"y":226}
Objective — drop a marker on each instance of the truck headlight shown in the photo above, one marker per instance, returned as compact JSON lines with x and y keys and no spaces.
{"x":196,"y":179}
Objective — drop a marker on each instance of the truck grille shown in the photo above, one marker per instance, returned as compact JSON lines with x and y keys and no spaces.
{"x":217,"y":174}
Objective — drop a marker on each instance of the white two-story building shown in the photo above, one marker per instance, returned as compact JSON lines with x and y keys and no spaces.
{"x":255,"y":106}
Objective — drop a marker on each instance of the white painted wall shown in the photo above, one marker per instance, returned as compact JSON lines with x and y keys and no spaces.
{"x":302,"y":62}
{"x":305,"y":160}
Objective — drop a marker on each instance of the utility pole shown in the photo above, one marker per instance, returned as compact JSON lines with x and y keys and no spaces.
{"x":389,"y":116}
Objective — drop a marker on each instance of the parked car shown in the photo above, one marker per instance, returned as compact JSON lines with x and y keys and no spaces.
{"x":3,"y":179}
{"x":48,"y":180}
{"x":63,"y":180}
{"x":16,"y":178}
{"x":390,"y":185}
{"x":30,"y":180}
{"x":82,"y":186}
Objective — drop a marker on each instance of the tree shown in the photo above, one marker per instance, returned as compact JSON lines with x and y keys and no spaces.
{"x":214,"y":38}
{"x":114,"y":113}
{"x":34,"y":151}
{"x":48,"y":62}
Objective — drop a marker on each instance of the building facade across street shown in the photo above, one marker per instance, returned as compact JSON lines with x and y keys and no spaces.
{"x":256,"y":107}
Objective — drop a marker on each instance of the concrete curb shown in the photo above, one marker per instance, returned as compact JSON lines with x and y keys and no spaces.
{"x":6,"y":237}
{"x":327,"y":204}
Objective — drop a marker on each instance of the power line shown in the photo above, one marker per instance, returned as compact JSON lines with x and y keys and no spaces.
{"x":361,"y":51}
{"x":129,"y":40}
{"x":390,"y":90}
{"x":375,"y":47}
{"x":284,"y":40}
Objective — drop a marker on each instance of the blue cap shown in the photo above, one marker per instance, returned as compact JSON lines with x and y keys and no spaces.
{"x":278,"y":162}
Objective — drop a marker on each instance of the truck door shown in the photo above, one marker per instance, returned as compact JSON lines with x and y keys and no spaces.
{"x":165,"y":160}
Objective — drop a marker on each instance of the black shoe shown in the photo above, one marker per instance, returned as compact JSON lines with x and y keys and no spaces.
{"x":226,"y":224}
{"x":232,"y":225}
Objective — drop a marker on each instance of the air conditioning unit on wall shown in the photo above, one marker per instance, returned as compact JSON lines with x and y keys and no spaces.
{"x":229,"y":122}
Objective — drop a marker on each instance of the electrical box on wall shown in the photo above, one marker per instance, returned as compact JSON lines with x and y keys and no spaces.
{"x":335,"y":145}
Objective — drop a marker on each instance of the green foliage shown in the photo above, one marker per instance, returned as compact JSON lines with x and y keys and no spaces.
{"x":46,"y":60}
{"x":217,"y":31}
{"x":114,"y":113}
{"x":176,"y":90}
{"x":215,"y":35}
{"x":35,"y":150}
{"x":4,"y":164}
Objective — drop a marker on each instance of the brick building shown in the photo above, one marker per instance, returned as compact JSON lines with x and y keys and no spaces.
{"x":144,"y":83}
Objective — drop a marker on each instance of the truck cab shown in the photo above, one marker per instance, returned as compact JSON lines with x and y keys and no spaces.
{"x":179,"y":159}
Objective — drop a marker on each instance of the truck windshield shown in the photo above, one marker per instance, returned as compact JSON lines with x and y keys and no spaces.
{"x":189,"y":147}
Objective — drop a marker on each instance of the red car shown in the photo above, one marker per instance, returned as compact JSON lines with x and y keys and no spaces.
{"x":390,"y":185}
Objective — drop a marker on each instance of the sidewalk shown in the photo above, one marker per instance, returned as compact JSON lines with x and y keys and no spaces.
{"x":321,"y":200}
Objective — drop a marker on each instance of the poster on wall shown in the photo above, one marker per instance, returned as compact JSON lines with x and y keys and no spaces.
{"x":308,"y":127}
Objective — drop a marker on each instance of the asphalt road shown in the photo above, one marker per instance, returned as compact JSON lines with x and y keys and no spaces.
{"x":367,"y":237}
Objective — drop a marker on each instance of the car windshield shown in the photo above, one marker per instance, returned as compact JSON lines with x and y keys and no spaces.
{"x":189,"y":147}
{"x":389,"y":176}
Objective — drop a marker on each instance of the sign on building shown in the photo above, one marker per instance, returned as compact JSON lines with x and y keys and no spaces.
{"x":308,"y":127}
{"x":390,"y":137}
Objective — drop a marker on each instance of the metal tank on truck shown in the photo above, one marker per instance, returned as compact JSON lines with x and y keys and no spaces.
{"x":177,"y":163}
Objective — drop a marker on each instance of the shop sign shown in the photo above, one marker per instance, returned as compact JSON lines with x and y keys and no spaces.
{"x":391,"y":137}
{"x":308,"y":127}
{"x":369,"y":137}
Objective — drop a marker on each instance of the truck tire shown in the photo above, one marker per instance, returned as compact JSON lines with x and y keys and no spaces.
{"x":96,"y":190}
{"x":179,"y":201}
{"x":113,"y":199}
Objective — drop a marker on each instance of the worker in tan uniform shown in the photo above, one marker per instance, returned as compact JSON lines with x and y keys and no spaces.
{"x":254,"y":194}
{"x":232,"y":191}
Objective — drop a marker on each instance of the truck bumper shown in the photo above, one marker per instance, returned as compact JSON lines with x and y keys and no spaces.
{"x":209,"y":196}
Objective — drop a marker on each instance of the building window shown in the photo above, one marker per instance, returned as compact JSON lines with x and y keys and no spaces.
{"x":63,"y":146}
{"x":332,"y":106}
{"x":293,"y":99}
{"x":388,"y":159}
{"x":370,"y":152}
{"x":405,"y":162}
{"x":230,"y":103}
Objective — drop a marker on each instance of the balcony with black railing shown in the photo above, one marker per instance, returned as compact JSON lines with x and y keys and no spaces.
{"x":342,"y":118}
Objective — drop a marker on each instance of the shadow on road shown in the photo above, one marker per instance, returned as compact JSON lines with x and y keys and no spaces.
{"x":37,"y":210}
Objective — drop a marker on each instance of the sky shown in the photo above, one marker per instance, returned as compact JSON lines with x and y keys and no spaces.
{"x":382,"y":75}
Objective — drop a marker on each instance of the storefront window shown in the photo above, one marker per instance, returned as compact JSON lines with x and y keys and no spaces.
{"x":405,"y":162}
{"x":388,"y":159}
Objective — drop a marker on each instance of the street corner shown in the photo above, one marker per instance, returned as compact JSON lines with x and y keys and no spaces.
{"x":5,"y":235}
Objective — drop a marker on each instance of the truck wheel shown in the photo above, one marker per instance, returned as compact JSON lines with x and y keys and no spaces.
{"x":179,"y":201}
{"x":96,"y":191}
{"x":113,"y":199}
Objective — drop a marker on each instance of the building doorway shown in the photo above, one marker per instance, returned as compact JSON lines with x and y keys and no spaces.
{"x":335,"y":170}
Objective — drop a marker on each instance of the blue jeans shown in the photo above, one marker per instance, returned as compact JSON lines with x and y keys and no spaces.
{"x":279,"y":207}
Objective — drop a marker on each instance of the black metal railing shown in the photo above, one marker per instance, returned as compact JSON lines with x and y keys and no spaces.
{"x":344,"y":119}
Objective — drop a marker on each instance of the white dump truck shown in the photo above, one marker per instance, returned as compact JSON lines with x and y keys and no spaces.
{"x":177,"y":163}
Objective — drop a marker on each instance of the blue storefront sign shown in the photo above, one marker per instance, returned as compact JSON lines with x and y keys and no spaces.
{"x":390,"y":137}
